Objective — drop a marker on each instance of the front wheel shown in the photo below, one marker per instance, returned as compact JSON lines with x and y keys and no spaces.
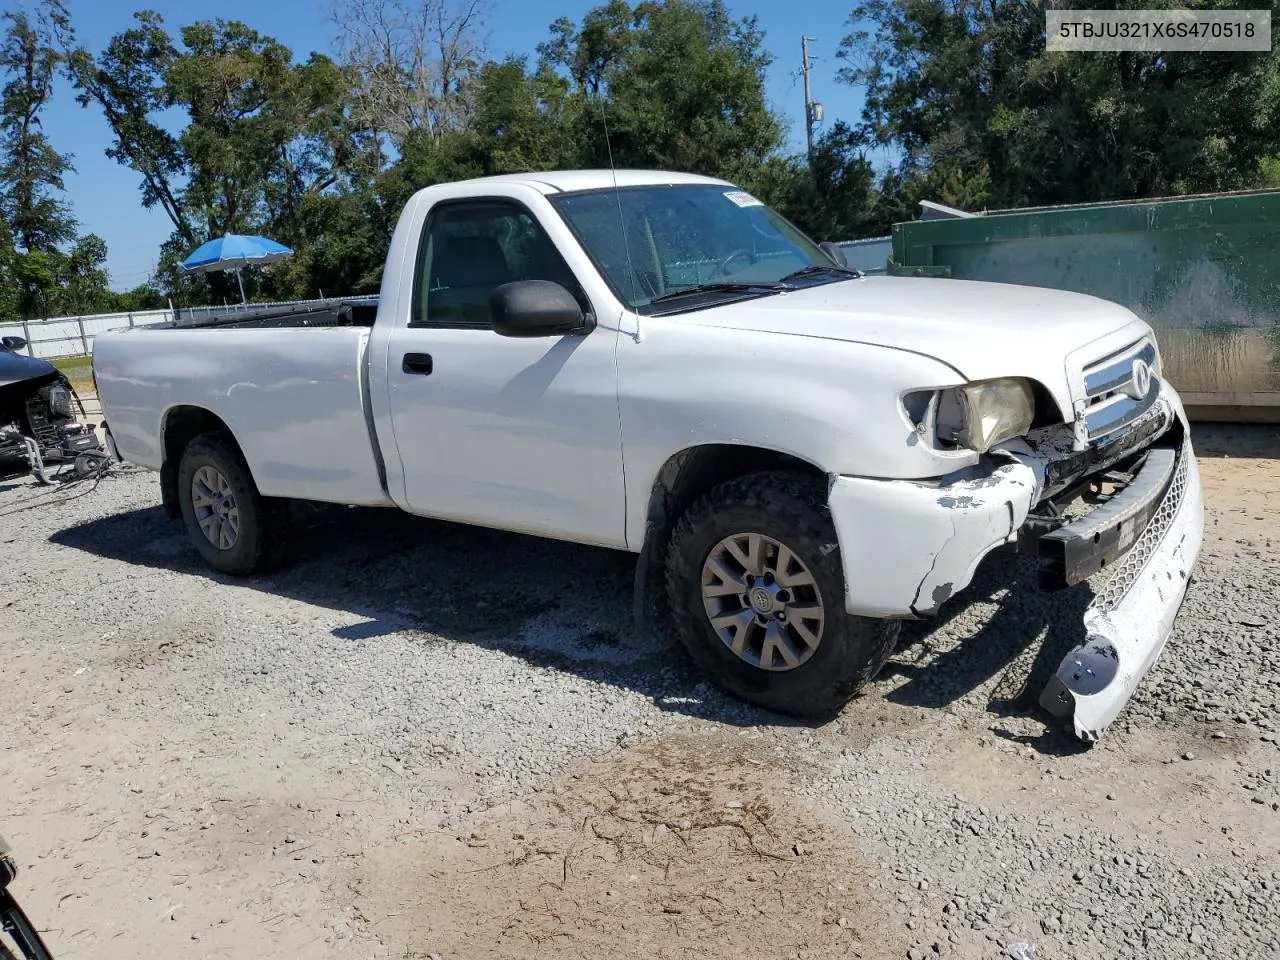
{"x":233,"y":527}
{"x":756,"y":589}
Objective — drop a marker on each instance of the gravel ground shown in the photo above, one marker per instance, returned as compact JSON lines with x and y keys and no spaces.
{"x":417,"y":725}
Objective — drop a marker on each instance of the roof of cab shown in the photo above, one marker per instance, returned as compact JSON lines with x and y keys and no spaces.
{"x":558,"y":181}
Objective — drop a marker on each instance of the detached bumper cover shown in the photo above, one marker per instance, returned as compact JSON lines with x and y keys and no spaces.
{"x":1132,"y":616}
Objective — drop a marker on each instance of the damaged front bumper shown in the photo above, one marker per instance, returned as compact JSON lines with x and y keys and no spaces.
{"x":908,"y":547}
{"x":1132,"y":615}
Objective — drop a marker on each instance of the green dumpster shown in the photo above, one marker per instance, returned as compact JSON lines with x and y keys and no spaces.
{"x":1204,"y":271}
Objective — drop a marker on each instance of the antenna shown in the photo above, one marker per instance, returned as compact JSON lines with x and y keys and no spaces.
{"x":622,"y":220}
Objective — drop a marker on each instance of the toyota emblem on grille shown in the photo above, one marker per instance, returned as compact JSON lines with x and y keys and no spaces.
{"x":1141,"y":382}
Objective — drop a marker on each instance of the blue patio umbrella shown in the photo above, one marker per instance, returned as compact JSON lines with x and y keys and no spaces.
{"x":234,"y":251}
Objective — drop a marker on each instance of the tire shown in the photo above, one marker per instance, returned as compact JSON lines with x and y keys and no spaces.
{"x":252,"y":532}
{"x":788,"y":511}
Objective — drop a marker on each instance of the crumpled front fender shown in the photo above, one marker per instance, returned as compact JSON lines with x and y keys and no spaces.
{"x":907,"y":547}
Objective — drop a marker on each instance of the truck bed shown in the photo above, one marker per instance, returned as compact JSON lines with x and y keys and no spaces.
{"x":297,"y":401}
{"x":344,"y":312}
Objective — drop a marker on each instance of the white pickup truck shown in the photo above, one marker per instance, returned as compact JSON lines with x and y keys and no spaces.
{"x":801,"y":456}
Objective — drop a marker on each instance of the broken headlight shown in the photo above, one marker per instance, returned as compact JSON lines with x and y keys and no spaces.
{"x":981,"y":414}
{"x":60,"y":401}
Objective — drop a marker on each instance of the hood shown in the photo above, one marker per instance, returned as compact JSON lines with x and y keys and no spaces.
{"x":15,"y":368}
{"x":981,"y":330}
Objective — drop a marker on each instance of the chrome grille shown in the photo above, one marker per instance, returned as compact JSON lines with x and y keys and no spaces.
{"x":1120,"y":388}
{"x":1109,"y":597}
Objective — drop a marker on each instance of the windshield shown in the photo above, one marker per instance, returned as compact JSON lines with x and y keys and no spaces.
{"x":675,"y":238}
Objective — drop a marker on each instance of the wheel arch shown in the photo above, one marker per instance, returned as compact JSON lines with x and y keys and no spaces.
{"x":181,"y":425}
{"x":680,"y":481}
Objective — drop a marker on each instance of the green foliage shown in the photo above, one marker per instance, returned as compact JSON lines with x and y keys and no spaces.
{"x":323,"y":156}
{"x":835,"y":200}
{"x":266,"y":140}
{"x":128,"y":84}
{"x":55,"y":282}
{"x":31,"y":170}
{"x":1269,"y":172}
{"x":984,"y":116}
{"x":142,"y":297}
{"x":339,"y":249}
{"x":45,"y":269}
{"x":229,"y":132}
{"x":525,"y":121}
{"x":680,"y":86}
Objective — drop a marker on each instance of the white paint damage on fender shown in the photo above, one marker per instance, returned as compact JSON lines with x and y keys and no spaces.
{"x":928,"y":539}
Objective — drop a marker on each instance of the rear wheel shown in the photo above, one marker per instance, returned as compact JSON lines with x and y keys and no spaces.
{"x":756,"y":589}
{"x":232,"y":526}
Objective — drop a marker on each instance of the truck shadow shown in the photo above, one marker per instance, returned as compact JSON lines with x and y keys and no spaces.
{"x":1261,"y":440}
{"x":14,"y":473}
{"x":1017,"y":640}
{"x":556,"y":605}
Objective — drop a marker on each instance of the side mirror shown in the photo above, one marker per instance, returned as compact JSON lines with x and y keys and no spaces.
{"x":834,"y":252}
{"x":12,"y":343}
{"x":537,"y":308}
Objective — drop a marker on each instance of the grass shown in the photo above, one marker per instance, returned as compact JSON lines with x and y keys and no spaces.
{"x":79,"y":370}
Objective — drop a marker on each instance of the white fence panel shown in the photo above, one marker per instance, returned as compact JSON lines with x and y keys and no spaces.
{"x":73,"y":336}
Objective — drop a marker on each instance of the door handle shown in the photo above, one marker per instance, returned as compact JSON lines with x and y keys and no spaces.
{"x":419,"y":363}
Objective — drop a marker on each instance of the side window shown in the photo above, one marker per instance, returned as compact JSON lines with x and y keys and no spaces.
{"x":468,"y":249}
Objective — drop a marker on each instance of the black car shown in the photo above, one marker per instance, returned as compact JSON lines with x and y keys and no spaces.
{"x":18,"y":938}
{"x":39,"y":411}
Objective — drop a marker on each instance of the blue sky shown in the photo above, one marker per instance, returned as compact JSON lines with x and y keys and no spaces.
{"x":104,"y":195}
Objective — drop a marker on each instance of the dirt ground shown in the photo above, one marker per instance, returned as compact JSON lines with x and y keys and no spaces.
{"x":164,"y":803}
{"x":1238,"y":466}
{"x":671,"y":850}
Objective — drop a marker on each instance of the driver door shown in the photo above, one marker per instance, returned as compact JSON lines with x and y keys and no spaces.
{"x":517,"y":433}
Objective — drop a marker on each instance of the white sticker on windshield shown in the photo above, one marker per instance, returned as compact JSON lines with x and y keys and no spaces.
{"x":743,"y":199}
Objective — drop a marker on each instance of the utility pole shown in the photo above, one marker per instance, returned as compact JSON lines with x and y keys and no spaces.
{"x":812,"y":110}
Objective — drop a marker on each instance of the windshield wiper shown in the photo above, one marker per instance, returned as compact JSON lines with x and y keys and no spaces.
{"x":724,"y":286}
{"x":817,"y":268}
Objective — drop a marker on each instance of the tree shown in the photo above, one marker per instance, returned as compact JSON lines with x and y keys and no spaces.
{"x":413,"y":61}
{"x":588,"y":52}
{"x":261,"y":132}
{"x":142,"y":297}
{"x":322,"y":155}
{"x":966,"y":91}
{"x":835,"y":198}
{"x":524,"y":121}
{"x":54,"y":282}
{"x":47,"y":269}
{"x":264,"y":136}
{"x":9,"y":289}
{"x":31,"y":171}
{"x":680,"y":85}
{"x":128,"y":83}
